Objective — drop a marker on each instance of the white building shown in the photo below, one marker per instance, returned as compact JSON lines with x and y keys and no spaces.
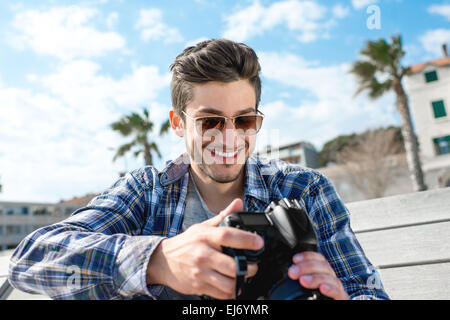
{"x":301,"y":153}
{"x":428,"y":89}
{"x":18,"y":219}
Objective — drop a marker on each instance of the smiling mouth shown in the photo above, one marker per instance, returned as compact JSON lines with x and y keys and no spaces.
{"x":225,"y":155}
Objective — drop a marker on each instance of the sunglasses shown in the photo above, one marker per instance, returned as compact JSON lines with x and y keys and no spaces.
{"x":248,"y":125}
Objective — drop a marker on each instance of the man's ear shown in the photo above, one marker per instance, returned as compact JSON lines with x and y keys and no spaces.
{"x":176,"y":123}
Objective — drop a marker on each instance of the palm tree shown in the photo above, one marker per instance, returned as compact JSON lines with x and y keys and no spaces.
{"x":140,"y":126}
{"x":379,"y":72}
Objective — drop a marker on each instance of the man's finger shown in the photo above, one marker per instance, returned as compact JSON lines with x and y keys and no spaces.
{"x":307,"y":255}
{"x":235,"y":238}
{"x":235,"y":206}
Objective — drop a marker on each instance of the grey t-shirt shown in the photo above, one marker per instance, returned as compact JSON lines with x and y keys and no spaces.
{"x":196,"y":211}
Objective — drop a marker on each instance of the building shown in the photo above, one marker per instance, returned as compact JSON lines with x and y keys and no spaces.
{"x":301,"y":153}
{"x":428,"y":89}
{"x":18,"y":219}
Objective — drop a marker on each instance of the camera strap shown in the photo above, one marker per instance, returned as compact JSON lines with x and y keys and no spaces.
{"x":241,"y":272}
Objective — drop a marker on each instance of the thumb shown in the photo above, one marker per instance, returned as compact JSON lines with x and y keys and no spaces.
{"x":235,"y":206}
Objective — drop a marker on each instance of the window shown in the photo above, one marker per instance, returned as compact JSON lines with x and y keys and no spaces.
{"x":40,"y":211}
{"x":442,"y":145}
{"x":12,"y":230}
{"x":439,"y":109}
{"x":431,"y":76}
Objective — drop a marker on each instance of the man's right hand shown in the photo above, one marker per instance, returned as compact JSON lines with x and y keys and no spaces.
{"x":193,"y":262}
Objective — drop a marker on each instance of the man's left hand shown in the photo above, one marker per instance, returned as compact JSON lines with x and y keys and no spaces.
{"x":314,"y":272}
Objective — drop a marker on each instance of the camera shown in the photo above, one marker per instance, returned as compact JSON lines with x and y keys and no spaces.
{"x":286,"y":230}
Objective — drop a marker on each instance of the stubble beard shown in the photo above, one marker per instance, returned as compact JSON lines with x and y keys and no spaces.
{"x":207,"y":169}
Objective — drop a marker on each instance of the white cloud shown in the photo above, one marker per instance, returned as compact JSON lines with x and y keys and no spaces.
{"x":152,"y":27}
{"x":63,"y":131}
{"x":195,"y":41}
{"x":306,"y":18}
{"x":433,"y":40}
{"x":443,"y":10}
{"x":328,"y":108}
{"x":358,"y":4}
{"x":47,"y":153}
{"x":111,"y":20}
{"x":64,"y":32}
{"x":293,"y":70}
{"x":80,"y":83}
{"x":339,"y":11}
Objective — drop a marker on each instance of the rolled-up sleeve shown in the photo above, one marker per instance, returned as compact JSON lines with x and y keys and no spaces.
{"x":97,"y":253}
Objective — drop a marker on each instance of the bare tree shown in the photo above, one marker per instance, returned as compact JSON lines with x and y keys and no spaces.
{"x":372,"y":161}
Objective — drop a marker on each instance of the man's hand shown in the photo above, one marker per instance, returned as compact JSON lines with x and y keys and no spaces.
{"x":313,"y":271}
{"x":193,"y":263}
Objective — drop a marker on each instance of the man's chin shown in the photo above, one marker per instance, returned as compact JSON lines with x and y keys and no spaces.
{"x":223,"y":173}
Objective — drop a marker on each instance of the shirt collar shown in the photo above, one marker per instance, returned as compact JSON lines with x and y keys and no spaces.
{"x":255,"y":185}
{"x":174,"y":170}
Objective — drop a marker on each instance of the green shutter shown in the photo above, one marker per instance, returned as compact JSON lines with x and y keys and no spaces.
{"x":431,"y":76}
{"x":439,"y":109}
{"x":442,"y":145}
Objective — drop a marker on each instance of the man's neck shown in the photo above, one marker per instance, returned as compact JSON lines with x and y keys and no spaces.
{"x":216,"y":195}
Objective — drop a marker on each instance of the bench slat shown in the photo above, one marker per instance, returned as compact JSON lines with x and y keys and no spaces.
{"x":426,"y":282}
{"x":4,"y":265}
{"x":416,"y":244}
{"x":21,"y":295}
{"x":400,"y":210}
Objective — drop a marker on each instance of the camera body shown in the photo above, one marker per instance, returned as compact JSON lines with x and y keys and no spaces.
{"x":286,"y":230}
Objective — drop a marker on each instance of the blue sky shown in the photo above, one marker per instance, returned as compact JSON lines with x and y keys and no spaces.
{"x":70,"y":68}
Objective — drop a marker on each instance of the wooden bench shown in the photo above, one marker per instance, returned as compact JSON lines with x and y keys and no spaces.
{"x":406,"y":237}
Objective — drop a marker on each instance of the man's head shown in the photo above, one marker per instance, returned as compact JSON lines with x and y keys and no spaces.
{"x":218,"y":60}
{"x":216,"y":78}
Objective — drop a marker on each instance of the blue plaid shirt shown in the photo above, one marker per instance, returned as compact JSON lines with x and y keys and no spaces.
{"x":102,"y":250}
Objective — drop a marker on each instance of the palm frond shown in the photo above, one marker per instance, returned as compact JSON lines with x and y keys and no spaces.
{"x":364,"y":70}
{"x":154,"y":147}
{"x":377,"y":89}
{"x":164,"y":127}
{"x":124,"y":149}
{"x":138,"y":152}
{"x":140,"y":125}
{"x":379,"y":67}
{"x":122,"y":126}
{"x":377,"y":52}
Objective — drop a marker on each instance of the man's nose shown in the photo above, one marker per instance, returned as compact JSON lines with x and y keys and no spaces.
{"x":230,"y":134}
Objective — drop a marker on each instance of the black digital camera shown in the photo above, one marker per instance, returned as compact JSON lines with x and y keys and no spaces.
{"x":286,"y":230}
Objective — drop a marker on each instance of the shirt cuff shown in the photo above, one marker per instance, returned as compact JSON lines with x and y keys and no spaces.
{"x":131,"y":267}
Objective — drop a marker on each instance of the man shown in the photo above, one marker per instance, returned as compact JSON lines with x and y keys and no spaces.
{"x":157,"y":235}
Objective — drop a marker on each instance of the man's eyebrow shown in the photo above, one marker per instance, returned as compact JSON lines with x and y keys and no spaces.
{"x":219,"y":112}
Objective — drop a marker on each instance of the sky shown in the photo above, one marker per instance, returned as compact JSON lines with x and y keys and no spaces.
{"x":68,"y":69}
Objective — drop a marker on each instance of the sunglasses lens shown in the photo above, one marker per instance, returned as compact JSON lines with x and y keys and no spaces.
{"x":211,"y":124}
{"x":249,"y":124}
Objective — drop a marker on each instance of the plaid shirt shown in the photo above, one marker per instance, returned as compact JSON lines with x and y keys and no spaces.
{"x":102,"y":250}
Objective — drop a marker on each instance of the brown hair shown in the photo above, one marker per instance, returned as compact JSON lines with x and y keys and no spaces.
{"x":212,"y":60}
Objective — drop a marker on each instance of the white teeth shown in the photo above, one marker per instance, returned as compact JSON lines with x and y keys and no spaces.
{"x":225,"y":154}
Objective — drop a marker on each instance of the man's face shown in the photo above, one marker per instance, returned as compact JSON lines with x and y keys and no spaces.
{"x":219,"y":154}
